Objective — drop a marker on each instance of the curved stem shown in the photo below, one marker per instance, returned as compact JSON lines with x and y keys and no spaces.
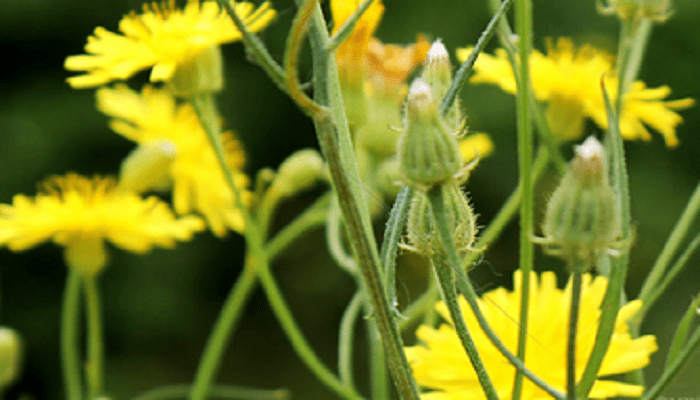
{"x":222,"y":332}
{"x":392,"y":237}
{"x":95,"y":363}
{"x":344,"y":31}
{"x":345,"y":339}
{"x":296,"y":337}
{"x":673,"y":369}
{"x":314,"y":216}
{"x":70,"y":350}
{"x":334,"y":240}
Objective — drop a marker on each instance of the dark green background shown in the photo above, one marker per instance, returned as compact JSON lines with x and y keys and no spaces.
{"x":159,"y":309}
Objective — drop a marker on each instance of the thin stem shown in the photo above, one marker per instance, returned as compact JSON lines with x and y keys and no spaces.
{"x":609,"y":310}
{"x":672,"y":370}
{"x":636,"y":51}
{"x":256,"y":48}
{"x":70,"y":350}
{"x":346,"y":337}
{"x":223,"y":330}
{"x":314,"y":216}
{"x":211,"y":359}
{"x":346,"y":29}
{"x":392,"y":237}
{"x":523,"y":26}
{"x":672,"y":244}
{"x":545,"y":134}
{"x":95,"y":363}
{"x":419,"y":307}
{"x":465,"y":69}
{"x":334,"y":240}
{"x":469,"y":293}
{"x":379,"y":379}
{"x":682,"y":330}
{"x":220,"y":391}
{"x":573,"y":329}
{"x":449,"y":293}
{"x":335,"y":142}
{"x":672,"y":274}
{"x":296,"y":337}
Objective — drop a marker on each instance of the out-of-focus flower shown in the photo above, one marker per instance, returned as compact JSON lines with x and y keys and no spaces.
{"x":568,"y":80}
{"x":656,"y":10}
{"x":162,"y":37}
{"x":81,"y":213}
{"x":154,"y":117}
{"x":441,"y":364}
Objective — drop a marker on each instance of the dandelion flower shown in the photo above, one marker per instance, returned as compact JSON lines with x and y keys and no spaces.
{"x":568,"y":80}
{"x":155,"y":117}
{"x":441,"y":365}
{"x":162,"y":37}
{"x":81,"y":213}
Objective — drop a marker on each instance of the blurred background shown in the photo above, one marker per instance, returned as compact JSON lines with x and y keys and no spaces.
{"x":159,"y":309}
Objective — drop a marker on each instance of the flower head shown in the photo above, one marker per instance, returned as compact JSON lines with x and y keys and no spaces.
{"x":81,"y":213}
{"x":350,"y":55}
{"x":162,"y":37}
{"x":441,"y":364}
{"x":568,"y":80}
{"x":155,"y":117}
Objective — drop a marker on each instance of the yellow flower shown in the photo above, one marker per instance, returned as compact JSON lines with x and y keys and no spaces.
{"x":351,"y":54}
{"x":568,"y":80}
{"x":154,"y":117}
{"x":81,"y":213}
{"x":442,"y":365}
{"x":162,"y":37}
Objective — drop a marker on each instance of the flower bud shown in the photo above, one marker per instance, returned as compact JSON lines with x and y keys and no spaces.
{"x":437,"y":73}
{"x":10,"y":356}
{"x":428,"y":152}
{"x":656,"y":10}
{"x":299,"y":172}
{"x":202,"y":74}
{"x":422,"y":236}
{"x":582,"y":217}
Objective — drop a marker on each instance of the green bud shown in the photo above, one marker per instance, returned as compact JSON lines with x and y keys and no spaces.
{"x":437,"y":73}
{"x":299,"y":172}
{"x":422,"y":235}
{"x":656,"y":10}
{"x":10,"y":356}
{"x":582,"y":217}
{"x":428,"y":152}
{"x":202,"y":74}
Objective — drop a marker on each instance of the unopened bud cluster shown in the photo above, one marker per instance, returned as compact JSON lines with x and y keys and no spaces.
{"x":582,"y":218}
{"x":429,"y":158}
{"x":656,"y":10}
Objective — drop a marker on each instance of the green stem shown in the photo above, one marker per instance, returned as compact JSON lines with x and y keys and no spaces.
{"x":344,"y":31}
{"x":465,"y":286}
{"x":609,"y":309}
{"x":345,"y":339}
{"x":294,"y":334}
{"x":379,"y":379}
{"x":425,"y":302}
{"x":672,"y":274}
{"x":334,"y":240}
{"x":222,"y":331}
{"x":334,"y":139}
{"x":466,"y":68}
{"x":673,"y":369}
{"x":573,"y":329}
{"x":682,"y":330}
{"x":670,"y":248}
{"x":523,"y":26}
{"x":392,"y":236}
{"x":449,"y":293}
{"x":70,"y":350}
{"x":256,"y":48}
{"x":95,"y":363}
{"x":545,"y":134}
{"x":220,"y":391}
{"x":312,"y":217}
